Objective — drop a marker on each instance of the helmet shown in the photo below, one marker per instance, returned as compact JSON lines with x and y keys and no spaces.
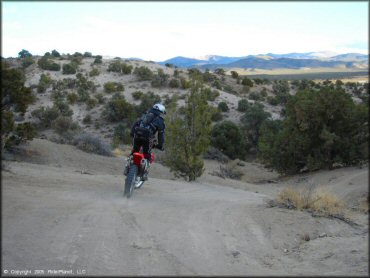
{"x":160,"y":107}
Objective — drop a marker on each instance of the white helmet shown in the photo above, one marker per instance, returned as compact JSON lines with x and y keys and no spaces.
{"x":160,"y":107}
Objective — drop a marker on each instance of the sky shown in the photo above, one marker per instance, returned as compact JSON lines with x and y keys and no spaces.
{"x":158,"y":31}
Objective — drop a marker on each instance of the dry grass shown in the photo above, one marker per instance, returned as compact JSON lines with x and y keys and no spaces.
{"x":317,"y":200}
{"x":117,"y":152}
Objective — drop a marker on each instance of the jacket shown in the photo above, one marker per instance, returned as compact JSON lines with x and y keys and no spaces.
{"x":159,"y":125}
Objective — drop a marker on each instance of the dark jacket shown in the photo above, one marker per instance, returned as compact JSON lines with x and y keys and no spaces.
{"x":159,"y":125}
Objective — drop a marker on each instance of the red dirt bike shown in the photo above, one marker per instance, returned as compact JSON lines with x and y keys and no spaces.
{"x":135,"y":169}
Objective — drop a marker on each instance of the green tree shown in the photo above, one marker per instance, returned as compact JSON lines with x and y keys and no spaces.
{"x":320,"y":128}
{"x":188,"y":135}
{"x":55,"y":53}
{"x":24,"y":53}
{"x":220,"y":71}
{"x":234,"y":74}
{"x":251,"y":121}
{"x":227,"y":137}
{"x":13,"y":92}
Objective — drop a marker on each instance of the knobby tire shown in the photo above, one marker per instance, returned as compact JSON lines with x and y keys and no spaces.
{"x":130,"y":181}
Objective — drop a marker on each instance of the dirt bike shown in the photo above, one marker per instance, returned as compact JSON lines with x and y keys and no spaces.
{"x":135,"y":169}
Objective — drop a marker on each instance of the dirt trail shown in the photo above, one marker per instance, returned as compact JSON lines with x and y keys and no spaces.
{"x":54,"y":217}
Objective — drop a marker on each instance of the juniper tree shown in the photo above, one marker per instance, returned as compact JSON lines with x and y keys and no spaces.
{"x":188,"y":134}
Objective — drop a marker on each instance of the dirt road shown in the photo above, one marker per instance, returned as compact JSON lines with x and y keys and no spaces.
{"x":55,"y":217}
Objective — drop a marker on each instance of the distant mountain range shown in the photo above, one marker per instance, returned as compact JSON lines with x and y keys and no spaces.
{"x":275,"y":61}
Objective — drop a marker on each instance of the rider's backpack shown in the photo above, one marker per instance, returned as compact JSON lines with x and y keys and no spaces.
{"x":145,"y":129}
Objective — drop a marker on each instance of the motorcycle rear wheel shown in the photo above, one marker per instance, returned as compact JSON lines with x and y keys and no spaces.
{"x":130,"y":181}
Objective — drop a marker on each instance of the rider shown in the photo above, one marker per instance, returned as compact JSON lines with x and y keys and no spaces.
{"x":145,"y":129}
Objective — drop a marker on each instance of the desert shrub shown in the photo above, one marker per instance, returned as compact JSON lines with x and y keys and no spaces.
{"x":215,"y":154}
{"x":65,"y":83}
{"x":258,"y":81}
{"x":115,"y":66}
{"x":46,"y":115}
{"x":87,"y":119}
{"x":100,"y":98}
{"x":91,"y":103}
{"x":281,"y":90}
{"x":195,"y":74}
{"x":263,"y":92}
{"x":58,"y":95}
{"x":72,"y":98}
{"x":143,"y":73}
{"x":46,"y":64}
{"x":208,"y":76}
{"x":211,"y":94}
{"x":44,"y":83}
{"x":272,"y":100}
{"x":255,"y":96}
{"x":83,"y":83}
{"x":111,"y":87}
{"x":126,"y":68}
{"x":229,"y":89}
{"x":222,"y":106}
{"x":137,"y":95}
{"x":228,"y":172}
{"x":83,"y":96}
{"x":91,"y":144}
{"x":147,"y":101}
{"x":70,"y":68}
{"x":118,"y":109}
{"x":243,"y":105}
{"x":121,"y":135}
{"x":216,"y":114}
{"x":98,"y":59}
{"x":62,"y":124}
{"x":94,"y":72}
{"x":320,"y":128}
{"x":247,"y":82}
{"x":27,"y":61}
{"x":159,"y":79}
{"x":63,"y":108}
{"x":217,"y":84}
{"x":174,"y":83}
{"x":227,"y":137}
{"x":185,"y":84}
